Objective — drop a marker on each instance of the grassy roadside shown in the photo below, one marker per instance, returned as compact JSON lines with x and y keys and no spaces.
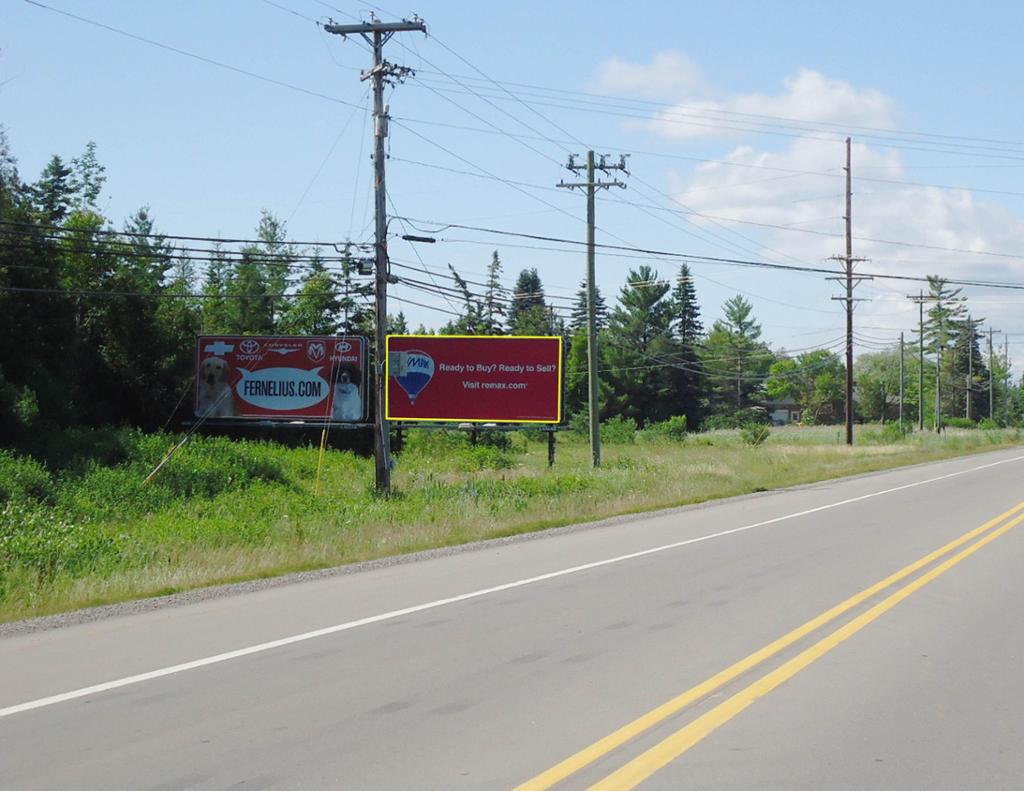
{"x":83,"y":530}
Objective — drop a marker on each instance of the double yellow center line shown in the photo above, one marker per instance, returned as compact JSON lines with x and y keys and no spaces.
{"x":663,"y":753}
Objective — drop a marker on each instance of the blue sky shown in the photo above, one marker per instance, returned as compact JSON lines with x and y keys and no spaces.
{"x":207,"y":148}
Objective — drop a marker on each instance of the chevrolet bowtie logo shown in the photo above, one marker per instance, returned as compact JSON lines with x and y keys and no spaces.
{"x":219,"y":348}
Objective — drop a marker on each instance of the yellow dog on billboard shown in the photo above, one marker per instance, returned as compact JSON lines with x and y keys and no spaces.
{"x":216,"y":396}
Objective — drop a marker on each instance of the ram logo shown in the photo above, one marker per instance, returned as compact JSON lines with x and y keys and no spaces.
{"x":316,"y":351}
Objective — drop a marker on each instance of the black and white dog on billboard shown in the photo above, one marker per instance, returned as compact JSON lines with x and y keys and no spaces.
{"x":348,"y":399}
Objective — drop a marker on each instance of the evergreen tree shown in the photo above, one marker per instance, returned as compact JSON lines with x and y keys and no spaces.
{"x":275,"y":258}
{"x":35,"y":327}
{"x":686,"y":324}
{"x":577,"y":386}
{"x":495,"y":298}
{"x":215,"y":313}
{"x":689,"y":383}
{"x":944,"y":321}
{"x":53,"y":194}
{"x":180,"y":320}
{"x":87,"y":179}
{"x":639,"y":348}
{"x":12,"y":191}
{"x":528,"y":313}
{"x":398,"y":325}
{"x":735,"y":359}
{"x":248,"y":305}
{"x":472,"y":321}
{"x":313,"y":309}
{"x":578,"y":318}
{"x":968,"y":369}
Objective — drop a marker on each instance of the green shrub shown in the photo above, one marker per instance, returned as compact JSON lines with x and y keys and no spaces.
{"x":988,"y":424}
{"x":719,"y":422}
{"x":482,"y":457}
{"x":619,"y":431}
{"x":23,"y":478}
{"x":888,"y":434}
{"x":434,"y":441}
{"x":754,"y":414}
{"x":580,"y":423}
{"x":755,"y":434}
{"x":891,"y":432}
{"x":959,"y":422}
{"x":673,"y":430}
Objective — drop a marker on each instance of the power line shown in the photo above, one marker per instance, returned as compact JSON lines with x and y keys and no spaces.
{"x":702,"y":119}
{"x":714,"y":259}
{"x":194,"y":56}
{"x":591,"y":96}
{"x":600,"y":99}
{"x":718,"y":218}
{"x":290,"y":11}
{"x":165,"y":293}
{"x":724,"y":162}
{"x":330,"y":151}
{"x":141,"y":235}
{"x":515,"y":294}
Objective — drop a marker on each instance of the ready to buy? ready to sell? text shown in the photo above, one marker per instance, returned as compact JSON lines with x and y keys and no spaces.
{"x":489,"y":368}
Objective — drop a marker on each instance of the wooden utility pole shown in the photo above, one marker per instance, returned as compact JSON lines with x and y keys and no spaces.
{"x":1006,"y":379}
{"x":920,"y":299}
{"x":850,"y":283}
{"x":849,"y":299}
{"x":991,"y":379}
{"x":920,"y":362}
{"x":938,"y":374}
{"x":970,"y":365}
{"x":901,"y":382}
{"x":377,"y":34}
{"x":590,"y":186}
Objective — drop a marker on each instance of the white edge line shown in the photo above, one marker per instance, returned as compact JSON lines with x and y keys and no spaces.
{"x":392,"y":614}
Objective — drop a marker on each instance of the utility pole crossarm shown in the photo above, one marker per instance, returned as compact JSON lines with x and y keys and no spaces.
{"x":588,"y":185}
{"x":365,"y":28}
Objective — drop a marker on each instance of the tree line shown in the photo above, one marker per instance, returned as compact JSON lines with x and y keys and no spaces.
{"x":97,"y":324}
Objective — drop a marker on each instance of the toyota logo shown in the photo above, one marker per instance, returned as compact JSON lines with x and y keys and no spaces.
{"x":249,"y":346}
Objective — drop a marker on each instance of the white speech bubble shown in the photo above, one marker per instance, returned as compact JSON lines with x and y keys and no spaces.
{"x":282,"y":389}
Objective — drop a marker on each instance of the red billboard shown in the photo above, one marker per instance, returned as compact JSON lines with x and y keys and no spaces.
{"x":286,"y":377}
{"x":474,"y":378}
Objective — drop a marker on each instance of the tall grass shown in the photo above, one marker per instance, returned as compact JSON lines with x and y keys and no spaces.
{"x":78,"y":526}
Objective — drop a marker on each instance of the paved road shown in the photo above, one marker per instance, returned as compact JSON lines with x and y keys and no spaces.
{"x":645,"y":652}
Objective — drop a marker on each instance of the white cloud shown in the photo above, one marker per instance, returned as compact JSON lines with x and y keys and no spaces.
{"x":669,"y":76}
{"x":942,"y":218}
{"x":808,"y":99}
{"x":808,"y":96}
{"x":758,"y":186}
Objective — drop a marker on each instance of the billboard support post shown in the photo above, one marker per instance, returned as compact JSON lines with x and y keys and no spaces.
{"x":377,"y":34}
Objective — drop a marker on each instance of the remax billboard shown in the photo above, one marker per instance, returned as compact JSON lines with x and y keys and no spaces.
{"x":283,"y":376}
{"x":474,"y":378}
